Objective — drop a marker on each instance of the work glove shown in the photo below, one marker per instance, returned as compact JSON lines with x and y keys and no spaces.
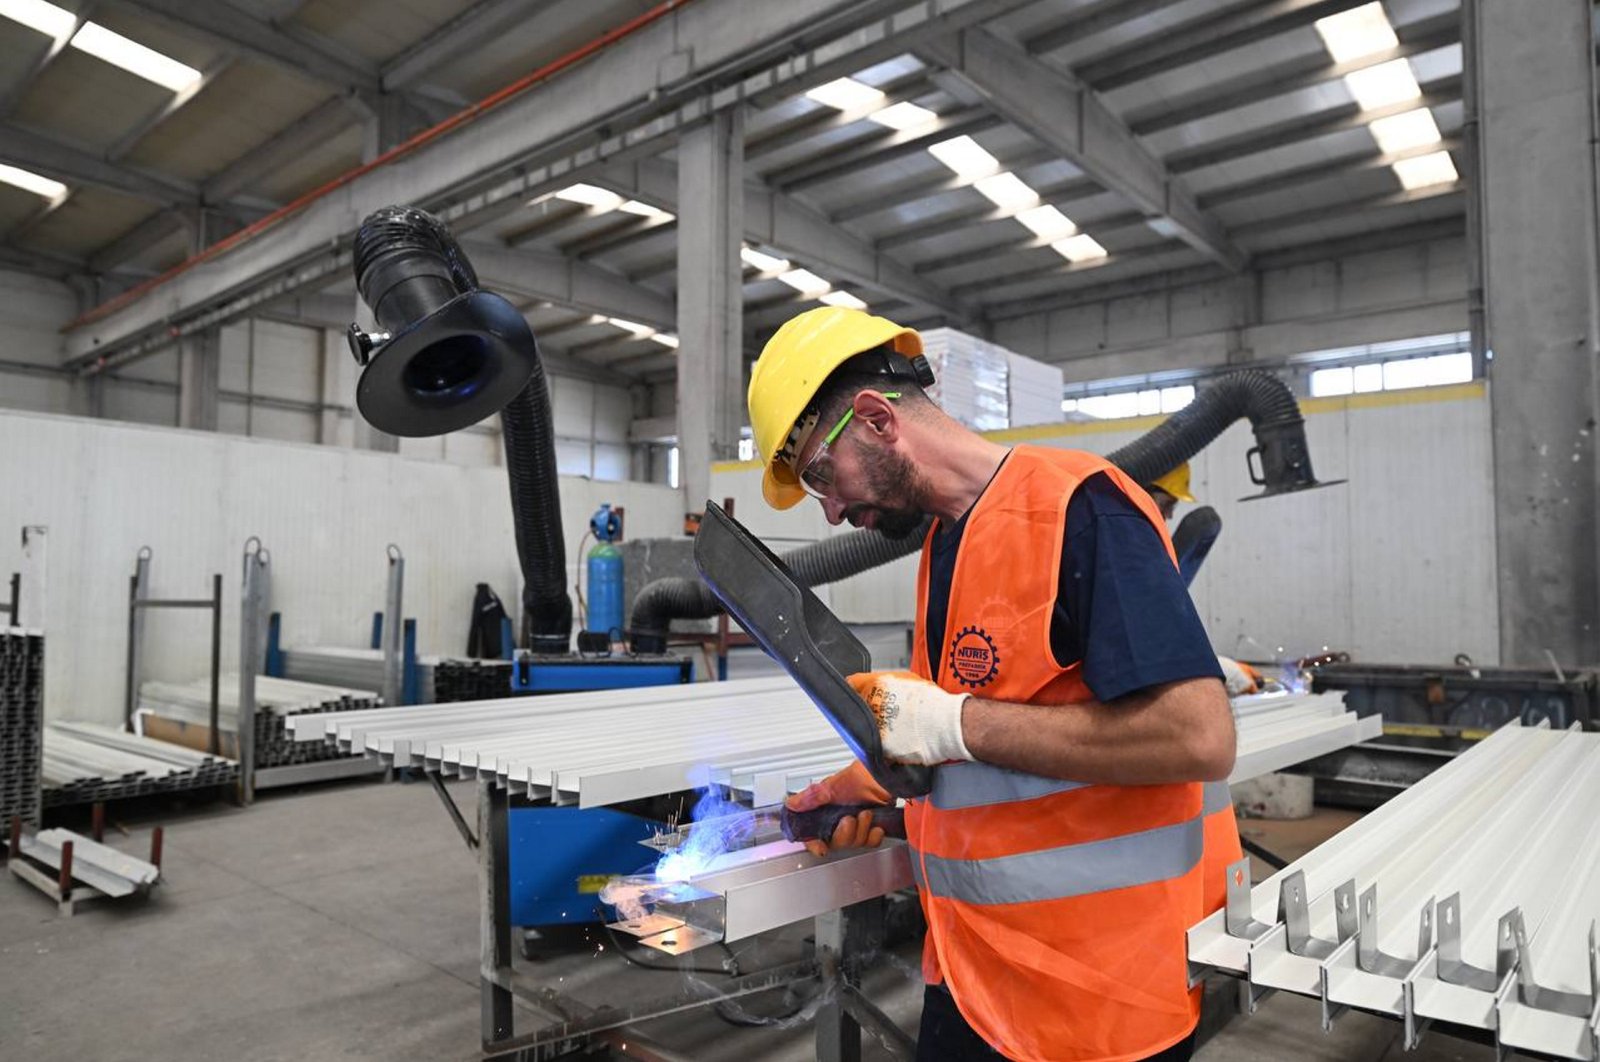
{"x":853,"y":785}
{"x":1240,"y":678}
{"x":918,"y":721}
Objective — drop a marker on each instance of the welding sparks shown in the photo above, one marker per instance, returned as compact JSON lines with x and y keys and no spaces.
{"x":719,"y":826}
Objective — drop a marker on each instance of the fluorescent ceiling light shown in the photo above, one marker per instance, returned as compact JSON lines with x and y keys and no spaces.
{"x":1360,"y":31}
{"x":32,"y":182}
{"x":666,"y":339}
{"x":763,"y":263}
{"x":134,"y":57}
{"x":1079,"y":248}
{"x":639,"y":330}
{"x":805,"y":282}
{"x":903,"y":116}
{"x":1402,"y":132}
{"x":644,"y":210}
{"x":963,"y":155}
{"x":1007,"y":191}
{"x":845,"y":299}
{"x":1048,"y":222}
{"x":1383,"y":85}
{"x":846,"y":94}
{"x":1426,"y":170}
{"x":48,"y":19}
{"x":591,"y":196}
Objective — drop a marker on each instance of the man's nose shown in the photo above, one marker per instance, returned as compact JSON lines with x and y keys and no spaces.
{"x":833,"y":509}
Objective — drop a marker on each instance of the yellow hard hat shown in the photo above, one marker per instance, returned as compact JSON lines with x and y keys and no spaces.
{"x":793,"y":365}
{"x":1176,"y":483}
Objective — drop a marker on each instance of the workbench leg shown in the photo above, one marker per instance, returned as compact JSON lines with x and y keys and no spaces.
{"x":839,"y":935}
{"x":494,"y":915}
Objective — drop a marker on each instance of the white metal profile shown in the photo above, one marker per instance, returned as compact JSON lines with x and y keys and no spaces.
{"x":1469,"y":900}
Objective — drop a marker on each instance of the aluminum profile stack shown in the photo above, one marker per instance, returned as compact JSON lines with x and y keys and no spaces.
{"x":21,"y":717}
{"x":471,"y":680}
{"x":85,"y":763}
{"x":757,"y":738}
{"x":356,"y":668}
{"x":1470,"y":900}
{"x":276,"y":700}
{"x":970,"y":378}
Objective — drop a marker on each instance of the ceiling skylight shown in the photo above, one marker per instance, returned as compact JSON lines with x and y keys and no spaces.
{"x":1359,"y":32}
{"x":1079,"y":248}
{"x":96,"y":40}
{"x":805,"y":282}
{"x":903,"y":116}
{"x":1402,"y":132}
{"x":590,"y":195}
{"x":28,"y":181}
{"x":1047,"y":222}
{"x":1426,"y":170}
{"x":964,"y":155}
{"x":1007,"y":191}
{"x":644,"y":210}
{"x":48,"y":19}
{"x":763,"y":263}
{"x":1383,"y":85}
{"x":845,"y":299}
{"x":845,"y":94}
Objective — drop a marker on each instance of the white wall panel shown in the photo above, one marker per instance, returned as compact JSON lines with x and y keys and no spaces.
{"x":1396,"y":565}
{"x":105,"y":489}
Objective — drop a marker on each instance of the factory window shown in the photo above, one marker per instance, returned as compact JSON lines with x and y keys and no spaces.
{"x":1394,"y":375}
{"x":672,"y":467}
{"x":1146,"y":402}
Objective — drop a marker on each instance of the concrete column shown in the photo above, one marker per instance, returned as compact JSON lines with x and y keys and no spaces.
{"x":198,"y":394}
{"x":710,"y":400}
{"x":1535,"y":81}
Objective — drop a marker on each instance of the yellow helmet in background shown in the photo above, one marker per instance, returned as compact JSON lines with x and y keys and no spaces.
{"x":802,"y":354}
{"x":1176,"y":483}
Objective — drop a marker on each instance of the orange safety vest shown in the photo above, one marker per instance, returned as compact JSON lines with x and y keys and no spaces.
{"x":1056,"y":910}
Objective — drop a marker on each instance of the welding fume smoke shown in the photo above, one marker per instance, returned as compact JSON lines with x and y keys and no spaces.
{"x":719,"y":826}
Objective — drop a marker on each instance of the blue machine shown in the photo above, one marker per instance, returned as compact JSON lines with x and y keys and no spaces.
{"x":560,"y":857}
{"x":605,"y":575}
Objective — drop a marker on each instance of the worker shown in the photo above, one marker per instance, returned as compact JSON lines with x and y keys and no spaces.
{"x":1061,"y":684}
{"x":1170,"y":489}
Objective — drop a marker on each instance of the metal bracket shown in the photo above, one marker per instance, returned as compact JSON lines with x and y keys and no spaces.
{"x":1295,"y":913}
{"x":1368,"y":957}
{"x":1455,"y":970}
{"x":1239,"y":915}
{"x":1529,"y":992}
{"x":455,"y":812}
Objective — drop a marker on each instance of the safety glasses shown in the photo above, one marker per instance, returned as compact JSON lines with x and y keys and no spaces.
{"x":816,"y":473}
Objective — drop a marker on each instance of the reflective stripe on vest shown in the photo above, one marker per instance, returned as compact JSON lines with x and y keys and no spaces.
{"x":1070,"y":870}
{"x":1217,"y":797}
{"x":974,"y":785}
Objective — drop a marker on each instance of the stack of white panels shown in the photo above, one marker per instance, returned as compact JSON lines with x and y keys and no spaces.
{"x":1469,"y":900}
{"x":87,"y":762}
{"x":759,"y":738}
{"x":970,"y":378}
{"x":276,"y":699}
{"x":1035,"y":391}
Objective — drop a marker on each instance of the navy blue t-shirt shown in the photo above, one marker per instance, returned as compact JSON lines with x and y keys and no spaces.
{"x":1121,"y":607}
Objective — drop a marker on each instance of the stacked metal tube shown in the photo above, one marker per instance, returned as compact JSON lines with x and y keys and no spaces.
{"x":276,"y":700}
{"x":85,"y":763}
{"x":21,"y":716}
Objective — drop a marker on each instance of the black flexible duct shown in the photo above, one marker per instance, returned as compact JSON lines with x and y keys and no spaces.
{"x":536,"y":515}
{"x":1262,"y":397}
{"x":1274,"y":415}
{"x":458,"y":353}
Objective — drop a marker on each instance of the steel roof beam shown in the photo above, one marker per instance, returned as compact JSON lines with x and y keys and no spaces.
{"x":1205,"y":37}
{"x":1281,"y":79}
{"x":76,"y":165}
{"x":161,"y":225}
{"x":1093,"y":18}
{"x":548,"y":277}
{"x":920,"y":188}
{"x":472,"y":27}
{"x":1323,"y":169}
{"x":1336,"y":119}
{"x":1059,"y":193}
{"x":316,"y":126}
{"x":783,"y":222}
{"x":50,"y":54}
{"x":887,"y":145}
{"x":1069,"y":118}
{"x":298,"y":52}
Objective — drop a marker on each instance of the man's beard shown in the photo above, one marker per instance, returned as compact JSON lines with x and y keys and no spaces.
{"x":899,"y":487}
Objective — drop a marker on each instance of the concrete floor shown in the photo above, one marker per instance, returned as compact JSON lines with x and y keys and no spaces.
{"x":340,"y":922}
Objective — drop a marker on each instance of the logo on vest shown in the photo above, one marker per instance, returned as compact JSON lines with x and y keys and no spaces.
{"x":973,"y":657}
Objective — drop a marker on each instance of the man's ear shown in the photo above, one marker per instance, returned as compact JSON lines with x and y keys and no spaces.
{"x":878,"y":415}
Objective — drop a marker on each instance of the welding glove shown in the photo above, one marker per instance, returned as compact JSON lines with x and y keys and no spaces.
{"x":919,"y":722}
{"x":1240,"y":678}
{"x":853,"y":785}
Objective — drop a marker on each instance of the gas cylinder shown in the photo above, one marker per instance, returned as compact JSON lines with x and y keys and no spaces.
{"x":605,"y":575}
